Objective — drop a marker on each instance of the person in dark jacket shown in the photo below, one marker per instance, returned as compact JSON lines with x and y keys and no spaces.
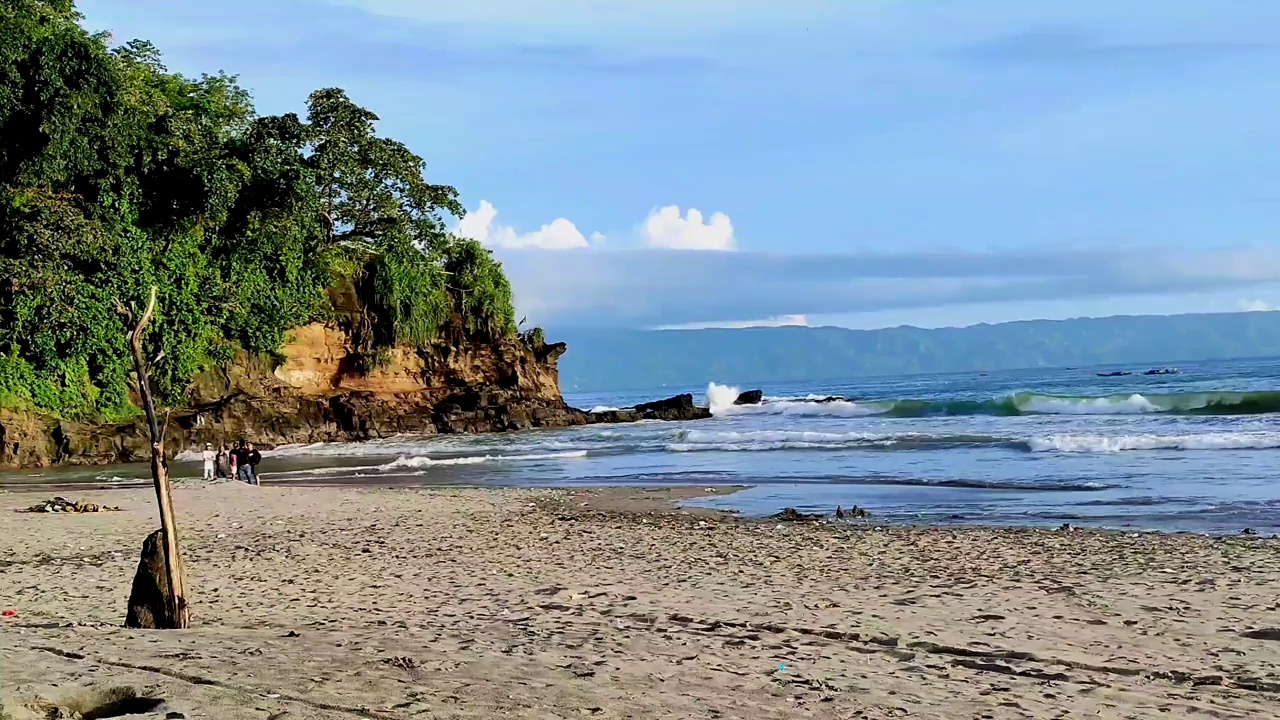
{"x":238,"y":454}
{"x":251,"y":458}
{"x":222,"y":463}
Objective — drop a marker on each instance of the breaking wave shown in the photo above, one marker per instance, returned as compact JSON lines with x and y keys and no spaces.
{"x":1119,"y":443}
{"x":720,"y":399}
{"x":422,"y":461}
{"x":689,"y":441}
{"x":764,"y":440}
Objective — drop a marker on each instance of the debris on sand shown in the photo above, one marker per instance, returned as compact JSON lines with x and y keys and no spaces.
{"x":63,"y":505}
{"x":793,"y":515}
{"x":94,"y":702}
{"x":856,"y":512}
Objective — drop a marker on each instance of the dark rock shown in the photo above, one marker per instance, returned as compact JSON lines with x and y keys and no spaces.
{"x":1262,"y":634}
{"x":750,"y":397}
{"x":679,"y":407}
{"x":678,"y":403}
{"x":793,"y":515}
{"x":149,"y":598}
{"x":855,"y":512}
{"x":63,"y":505}
{"x":614,"y":416}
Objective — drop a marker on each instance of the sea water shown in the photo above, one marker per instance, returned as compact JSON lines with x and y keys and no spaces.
{"x":1198,"y":450}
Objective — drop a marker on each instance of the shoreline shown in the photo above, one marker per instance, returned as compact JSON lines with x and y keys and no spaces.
{"x":342,"y":602}
{"x":632,"y":499}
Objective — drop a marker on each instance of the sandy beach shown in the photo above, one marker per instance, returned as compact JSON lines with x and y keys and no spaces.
{"x":524,"y":603}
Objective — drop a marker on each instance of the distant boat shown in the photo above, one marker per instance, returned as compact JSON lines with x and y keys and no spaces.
{"x":1161,"y":371}
{"x":1117,"y":373}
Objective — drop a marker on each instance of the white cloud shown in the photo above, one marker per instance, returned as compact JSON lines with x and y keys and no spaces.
{"x":482,"y":225}
{"x":663,"y":228}
{"x":777,"y":321}
{"x":666,"y":228}
{"x":1257,"y":306}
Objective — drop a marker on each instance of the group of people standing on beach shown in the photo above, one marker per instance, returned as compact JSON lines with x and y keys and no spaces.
{"x":240,"y":462}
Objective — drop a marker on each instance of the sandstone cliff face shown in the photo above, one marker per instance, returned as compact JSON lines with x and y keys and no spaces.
{"x":320,"y":393}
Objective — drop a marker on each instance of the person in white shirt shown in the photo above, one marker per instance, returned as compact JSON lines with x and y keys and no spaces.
{"x":208,"y":456}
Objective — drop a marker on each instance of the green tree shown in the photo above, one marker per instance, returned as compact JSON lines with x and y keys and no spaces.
{"x":117,"y":174}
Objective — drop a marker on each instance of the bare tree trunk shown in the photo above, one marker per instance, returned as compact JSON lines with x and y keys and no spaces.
{"x":175,"y":613}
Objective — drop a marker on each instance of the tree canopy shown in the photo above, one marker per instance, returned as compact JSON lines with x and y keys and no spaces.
{"x":117,"y":174}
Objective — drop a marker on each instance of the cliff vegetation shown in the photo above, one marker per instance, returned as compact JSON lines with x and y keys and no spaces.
{"x":117,"y":174}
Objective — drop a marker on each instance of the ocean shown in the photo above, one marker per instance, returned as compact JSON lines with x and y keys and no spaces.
{"x":1194,"y":451}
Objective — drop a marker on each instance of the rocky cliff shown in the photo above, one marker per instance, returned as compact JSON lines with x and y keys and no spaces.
{"x":322,"y":392}
{"x":320,"y":389}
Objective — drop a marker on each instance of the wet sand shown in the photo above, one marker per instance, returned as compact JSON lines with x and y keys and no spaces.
{"x":528,"y":603}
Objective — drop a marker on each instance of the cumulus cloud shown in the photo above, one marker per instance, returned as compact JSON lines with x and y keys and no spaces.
{"x":666,"y":228}
{"x":482,"y":225}
{"x":648,"y":287}
{"x":1257,"y":306}
{"x":663,"y":228}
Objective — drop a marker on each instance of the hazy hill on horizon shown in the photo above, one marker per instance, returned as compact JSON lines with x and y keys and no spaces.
{"x":601,"y":359}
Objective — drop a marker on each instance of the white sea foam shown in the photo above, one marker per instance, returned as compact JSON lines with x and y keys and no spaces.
{"x":338,"y":470}
{"x":765,"y":440}
{"x":603,"y":408}
{"x":806,"y":408}
{"x":714,"y":436}
{"x":374,"y":448}
{"x":811,"y":397}
{"x":422,"y":461}
{"x":720,"y":399}
{"x":1086,"y":443}
{"x":752,"y":446}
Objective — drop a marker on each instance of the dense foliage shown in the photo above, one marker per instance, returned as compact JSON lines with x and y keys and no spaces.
{"x":116,"y":175}
{"x":760,"y":356}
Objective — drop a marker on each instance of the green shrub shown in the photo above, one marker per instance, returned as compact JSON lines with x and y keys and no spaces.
{"x":117,"y":175}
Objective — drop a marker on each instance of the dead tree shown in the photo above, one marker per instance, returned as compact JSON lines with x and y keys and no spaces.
{"x":158,"y":598}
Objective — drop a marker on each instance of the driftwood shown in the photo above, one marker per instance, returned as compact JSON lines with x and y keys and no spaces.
{"x":158,"y":598}
{"x":149,"y":604}
{"x":63,"y":505}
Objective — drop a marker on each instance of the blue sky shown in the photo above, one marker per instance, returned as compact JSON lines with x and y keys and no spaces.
{"x":854,"y":162}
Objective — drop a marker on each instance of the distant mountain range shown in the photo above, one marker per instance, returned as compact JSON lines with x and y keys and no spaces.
{"x":607,"y":359}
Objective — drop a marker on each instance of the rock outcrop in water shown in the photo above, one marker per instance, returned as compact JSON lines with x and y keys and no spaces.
{"x":320,"y":392}
{"x":679,"y":407}
{"x":750,"y":397}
